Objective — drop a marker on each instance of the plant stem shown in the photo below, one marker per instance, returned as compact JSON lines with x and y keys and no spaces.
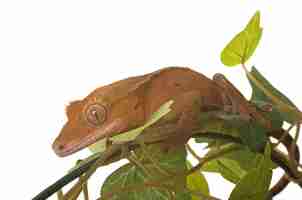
{"x":286,"y":132}
{"x":60,"y":194}
{"x":85,"y":189}
{"x":134,"y":160}
{"x":193,"y":153}
{"x":78,"y":186}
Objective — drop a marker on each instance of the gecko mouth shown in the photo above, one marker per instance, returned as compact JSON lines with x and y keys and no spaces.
{"x":65,"y":149}
{"x":74,"y":146}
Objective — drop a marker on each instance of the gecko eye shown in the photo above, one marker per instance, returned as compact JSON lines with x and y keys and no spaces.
{"x":96,"y":114}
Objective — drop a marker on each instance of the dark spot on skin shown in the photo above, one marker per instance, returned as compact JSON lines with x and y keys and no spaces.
{"x":176,"y":84}
{"x":136,"y":106}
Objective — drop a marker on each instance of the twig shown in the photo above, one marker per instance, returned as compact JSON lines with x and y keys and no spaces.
{"x":283,"y":137}
{"x":85,"y":189}
{"x":134,"y":160}
{"x":193,"y":153}
{"x":293,"y":162}
{"x":60,"y":195}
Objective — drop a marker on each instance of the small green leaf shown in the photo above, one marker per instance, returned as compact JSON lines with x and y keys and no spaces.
{"x":255,"y":184}
{"x":273,"y":116}
{"x":253,"y":134}
{"x":230,"y":170}
{"x":132,"y":134}
{"x":244,"y":44}
{"x":279,"y":113}
{"x":230,"y":166}
{"x":228,"y":126}
{"x":100,"y":145}
{"x":197,"y":182}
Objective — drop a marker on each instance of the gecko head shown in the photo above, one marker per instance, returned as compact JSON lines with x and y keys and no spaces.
{"x":107,"y":111}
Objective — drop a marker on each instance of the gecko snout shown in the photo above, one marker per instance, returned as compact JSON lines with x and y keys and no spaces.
{"x":58,"y":148}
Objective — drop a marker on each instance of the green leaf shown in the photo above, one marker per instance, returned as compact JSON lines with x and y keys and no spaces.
{"x":253,"y":134}
{"x":229,"y":127}
{"x":232,"y":166}
{"x":131,"y":175}
{"x":244,"y":44}
{"x":197,"y":182}
{"x":132,"y":134}
{"x":274,"y":116}
{"x":100,"y":145}
{"x":254,"y":23}
{"x":255,"y":184}
{"x":279,"y":113}
{"x":230,"y":170}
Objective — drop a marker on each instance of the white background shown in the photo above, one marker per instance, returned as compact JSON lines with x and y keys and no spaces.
{"x":53,"y":52}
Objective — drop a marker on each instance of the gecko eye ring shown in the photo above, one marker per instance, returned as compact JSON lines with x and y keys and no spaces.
{"x":96,"y":114}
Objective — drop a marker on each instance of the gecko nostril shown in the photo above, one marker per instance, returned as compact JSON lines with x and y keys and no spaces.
{"x":60,"y":147}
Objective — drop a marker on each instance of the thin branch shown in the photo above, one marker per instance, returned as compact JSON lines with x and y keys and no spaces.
{"x":85,"y":189}
{"x":60,"y":195}
{"x":293,"y":161}
{"x":134,"y":160}
{"x":283,"y":137}
{"x":193,"y":153}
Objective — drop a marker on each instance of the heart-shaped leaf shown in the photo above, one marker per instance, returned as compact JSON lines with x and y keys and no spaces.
{"x":244,"y":44}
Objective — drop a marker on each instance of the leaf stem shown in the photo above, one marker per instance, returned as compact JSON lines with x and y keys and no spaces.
{"x":134,"y":160}
{"x":193,"y":153}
